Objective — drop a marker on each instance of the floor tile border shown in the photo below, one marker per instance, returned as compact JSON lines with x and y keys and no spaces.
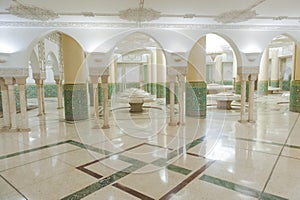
{"x":239,"y":188}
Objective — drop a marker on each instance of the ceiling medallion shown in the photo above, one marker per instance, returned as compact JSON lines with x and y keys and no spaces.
{"x":31,"y":12}
{"x":139,"y":14}
{"x":235,"y":16}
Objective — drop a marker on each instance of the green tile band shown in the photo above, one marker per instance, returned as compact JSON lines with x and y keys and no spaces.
{"x":196,"y":99}
{"x":295,"y":96}
{"x":263,"y":87}
{"x":161,"y":90}
{"x":286,"y":85}
{"x":238,"y":87}
{"x":274,"y":83}
{"x":240,"y":188}
{"x":76,"y":102}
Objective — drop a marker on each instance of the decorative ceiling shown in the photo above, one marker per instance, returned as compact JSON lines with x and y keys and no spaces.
{"x":272,"y":14}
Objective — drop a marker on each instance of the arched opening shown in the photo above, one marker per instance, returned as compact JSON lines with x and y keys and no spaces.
{"x":52,"y":56}
{"x":137,"y":84}
{"x":276,"y":66}
{"x":212,"y":69}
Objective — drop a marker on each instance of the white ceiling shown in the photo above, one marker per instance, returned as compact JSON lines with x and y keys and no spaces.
{"x":172,"y":11}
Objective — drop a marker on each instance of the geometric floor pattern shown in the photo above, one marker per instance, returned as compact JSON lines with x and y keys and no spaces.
{"x":211,"y":158}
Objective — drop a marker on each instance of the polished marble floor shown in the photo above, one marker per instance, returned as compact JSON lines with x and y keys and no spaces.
{"x":140,"y":157}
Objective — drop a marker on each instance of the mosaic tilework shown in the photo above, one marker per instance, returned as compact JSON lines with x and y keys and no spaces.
{"x":286,"y":85}
{"x":274,"y":83}
{"x":263,"y":87}
{"x":295,"y":96}
{"x":238,"y":87}
{"x":227,"y":82}
{"x":31,"y":91}
{"x":196,"y":99}
{"x":50,"y":90}
{"x":161,"y":90}
{"x":76,"y":105}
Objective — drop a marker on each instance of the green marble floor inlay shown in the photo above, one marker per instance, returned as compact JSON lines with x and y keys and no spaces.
{"x":240,"y":188}
{"x":178,"y":169}
{"x":33,"y":150}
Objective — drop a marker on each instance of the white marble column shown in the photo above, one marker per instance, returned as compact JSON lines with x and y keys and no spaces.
{"x":104,"y":82}
{"x":5,"y":105}
{"x":218,"y":69}
{"x":21,"y":81}
{"x":94,"y":80}
{"x":59,"y":93}
{"x":275,"y":69}
{"x":252,"y":79}
{"x":181,"y":97}
{"x":39,"y":96}
{"x":243,"y":78}
{"x":10,"y":82}
{"x":172,"y":100}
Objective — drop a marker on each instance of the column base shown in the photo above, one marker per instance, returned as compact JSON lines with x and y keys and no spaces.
{"x":252,"y":121}
{"x":24,"y":129}
{"x":105,"y":127}
{"x":172,"y":124}
{"x":243,"y":121}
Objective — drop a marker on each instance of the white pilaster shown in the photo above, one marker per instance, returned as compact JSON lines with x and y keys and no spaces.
{"x":104,"y":81}
{"x":181,"y":97}
{"x":59,"y":93}
{"x":252,"y":79}
{"x":10,"y":82}
{"x":5,"y":105}
{"x":21,"y":81}
{"x":94,"y":80}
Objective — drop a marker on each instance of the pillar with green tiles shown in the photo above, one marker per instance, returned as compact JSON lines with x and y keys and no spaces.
{"x":263,"y":77}
{"x":263,"y":87}
{"x":196,"y":99}
{"x":295,"y":83}
{"x":196,"y":88}
{"x":161,"y":90}
{"x":295,"y":96}
{"x":75,"y":86}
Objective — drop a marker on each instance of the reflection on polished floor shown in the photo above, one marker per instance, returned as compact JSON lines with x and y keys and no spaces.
{"x":212,"y":158}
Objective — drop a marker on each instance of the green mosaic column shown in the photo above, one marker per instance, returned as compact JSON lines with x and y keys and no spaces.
{"x":196,"y":99}
{"x":161,"y":90}
{"x":295,"y":96}
{"x":238,"y":87}
{"x":274,"y":83}
{"x":263,"y":87}
{"x":76,"y":102}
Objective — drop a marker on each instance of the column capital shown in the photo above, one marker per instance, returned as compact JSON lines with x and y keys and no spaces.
{"x":104,"y":78}
{"x":58,"y":81}
{"x":21,"y":80}
{"x":9,"y":80}
{"x":2,"y":81}
{"x":253,"y":77}
{"x":244,"y":77}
